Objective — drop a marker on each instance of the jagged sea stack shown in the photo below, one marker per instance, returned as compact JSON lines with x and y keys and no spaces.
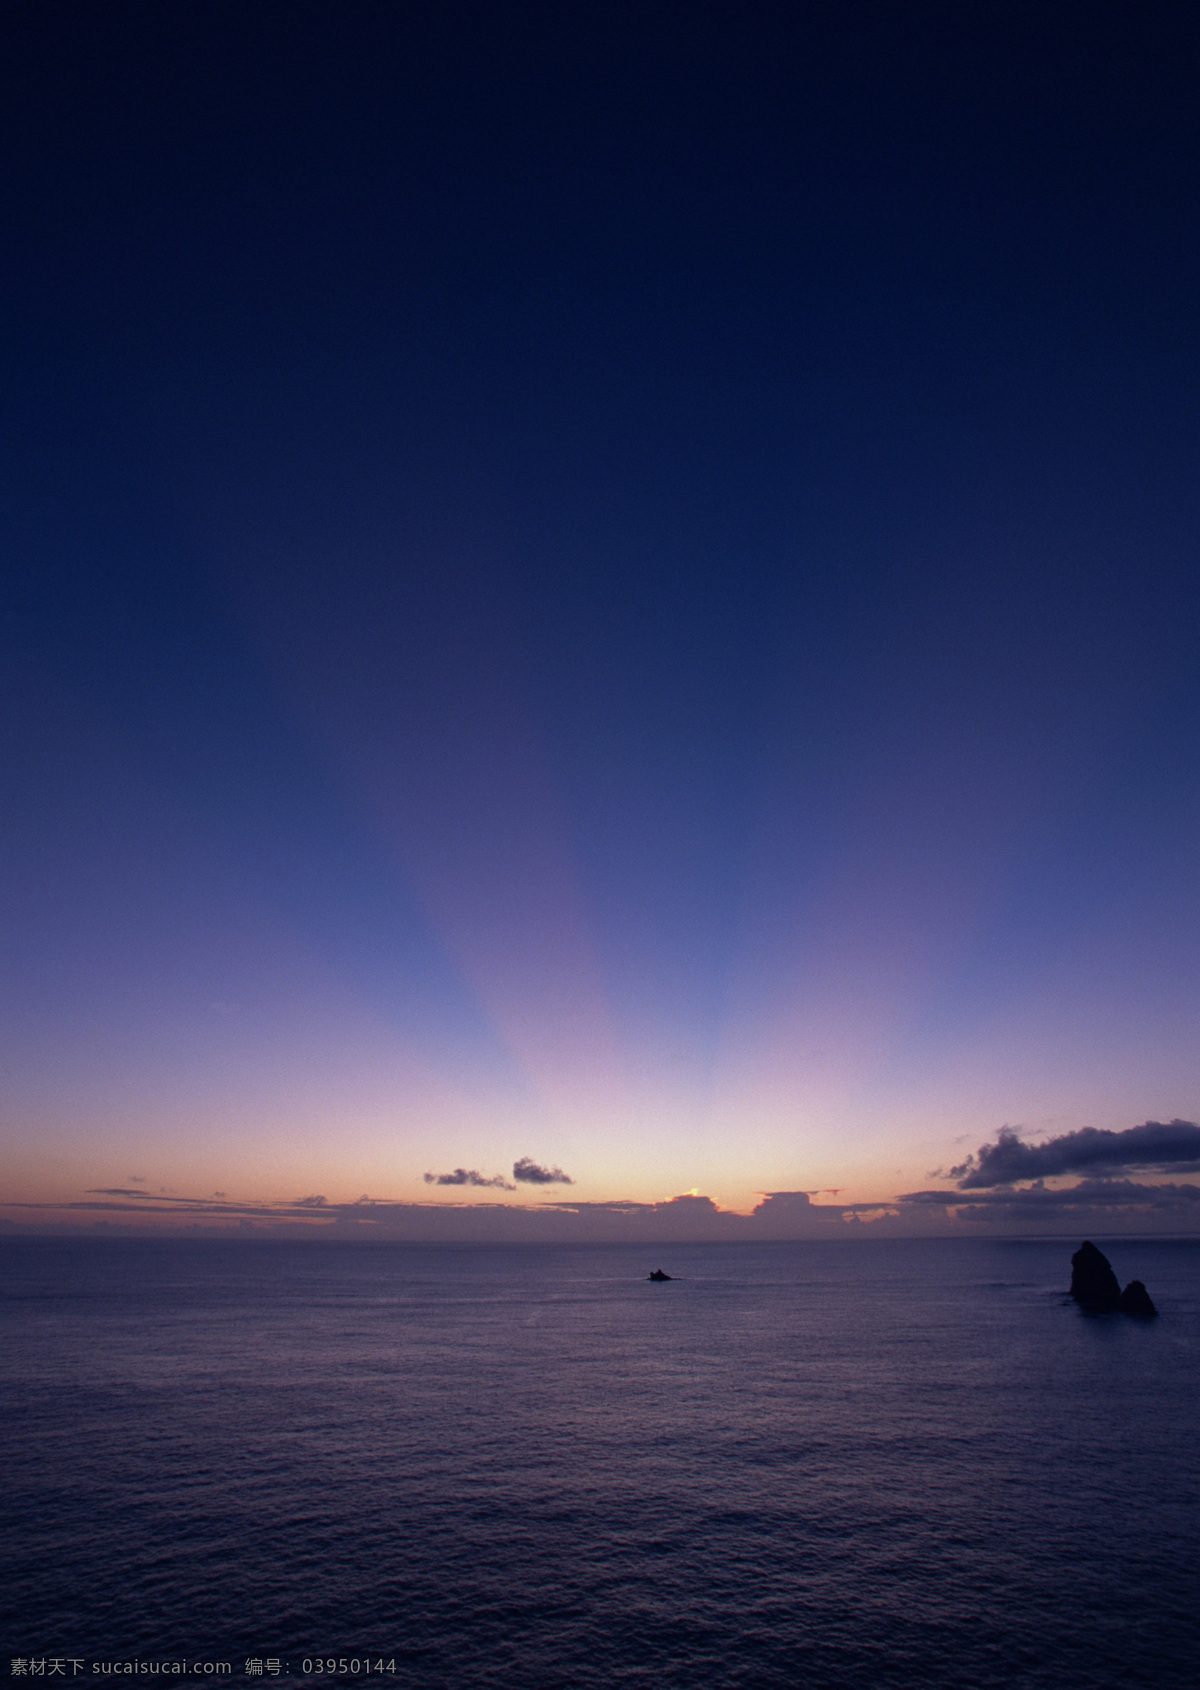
{"x":1093,"y":1282}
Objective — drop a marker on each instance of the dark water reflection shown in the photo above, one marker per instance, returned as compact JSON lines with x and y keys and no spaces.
{"x":830,"y":1464}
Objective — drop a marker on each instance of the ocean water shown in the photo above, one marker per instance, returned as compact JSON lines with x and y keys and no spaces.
{"x":832,"y":1464}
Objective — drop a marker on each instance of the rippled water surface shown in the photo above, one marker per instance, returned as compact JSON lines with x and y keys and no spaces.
{"x":827,"y":1464}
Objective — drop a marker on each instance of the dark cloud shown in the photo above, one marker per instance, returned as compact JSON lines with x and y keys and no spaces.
{"x":1155,"y":1144}
{"x":469,"y":1176}
{"x":530,"y":1173}
{"x":114,"y":1191}
{"x":314,"y":1202}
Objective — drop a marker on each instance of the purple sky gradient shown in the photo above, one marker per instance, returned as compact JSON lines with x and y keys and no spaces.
{"x":622,"y":596}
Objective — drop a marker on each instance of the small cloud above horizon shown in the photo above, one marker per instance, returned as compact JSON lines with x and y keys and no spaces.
{"x":469,"y":1176}
{"x":530,"y":1172}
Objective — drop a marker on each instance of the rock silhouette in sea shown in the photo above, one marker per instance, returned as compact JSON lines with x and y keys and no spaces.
{"x":658,"y":1274}
{"x":1093,"y":1282}
{"x":1096,"y":1287}
{"x":1135,"y":1299}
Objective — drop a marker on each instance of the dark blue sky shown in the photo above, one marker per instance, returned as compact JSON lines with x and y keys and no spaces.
{"x":616,"y":584}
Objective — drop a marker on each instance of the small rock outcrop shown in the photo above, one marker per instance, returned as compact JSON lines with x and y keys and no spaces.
{"x":658,"y":1274}
{"x":1093,"y":1282}
{"x":1096,"y":1287}
{"x":1135,"y":1299}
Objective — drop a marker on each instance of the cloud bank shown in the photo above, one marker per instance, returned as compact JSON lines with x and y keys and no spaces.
{"x":987,"y":1198}
{"x":685,"y":1219}
{"x":1110,"y":1204}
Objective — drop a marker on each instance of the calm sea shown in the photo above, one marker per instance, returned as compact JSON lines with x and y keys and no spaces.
{"x":836,"y":1464}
